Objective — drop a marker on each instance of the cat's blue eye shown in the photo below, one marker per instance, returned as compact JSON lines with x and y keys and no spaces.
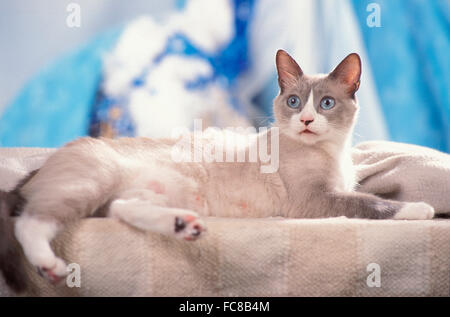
{"x":327,"y":103}
{"x":293,"y":101}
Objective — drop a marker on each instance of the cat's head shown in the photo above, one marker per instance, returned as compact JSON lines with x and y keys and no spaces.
{"x":317,"y":108}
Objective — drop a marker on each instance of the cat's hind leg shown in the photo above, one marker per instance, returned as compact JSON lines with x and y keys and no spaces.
{"x":144,"y":210}
{"x":35,"y":234}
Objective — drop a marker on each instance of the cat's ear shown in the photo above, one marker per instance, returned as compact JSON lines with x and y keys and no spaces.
{"x":348,"y":72}
{"x":288,"y":70}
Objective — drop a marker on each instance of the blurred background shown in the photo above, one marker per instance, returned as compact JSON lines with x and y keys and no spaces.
{"x":142,"y":67}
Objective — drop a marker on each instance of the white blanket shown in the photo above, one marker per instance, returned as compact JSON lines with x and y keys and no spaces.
{"x":404,"y":172}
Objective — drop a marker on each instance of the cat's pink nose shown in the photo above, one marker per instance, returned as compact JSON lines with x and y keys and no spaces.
{"x":306,"y":118}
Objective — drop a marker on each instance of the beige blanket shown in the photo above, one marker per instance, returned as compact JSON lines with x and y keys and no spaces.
{"x":404,"y":172}
{"x":269,"y":257}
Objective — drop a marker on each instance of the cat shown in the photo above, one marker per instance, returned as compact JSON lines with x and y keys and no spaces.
{"x":135,"y":179}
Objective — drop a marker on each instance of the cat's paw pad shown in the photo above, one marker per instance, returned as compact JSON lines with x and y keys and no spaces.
{"x":189,"y":227}
{"x":54,"y":274}
{"x":415,"y":211}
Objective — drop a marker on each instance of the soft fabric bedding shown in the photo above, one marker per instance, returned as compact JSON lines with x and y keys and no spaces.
{"x":270,"y":256}
{"x":404,"y":172}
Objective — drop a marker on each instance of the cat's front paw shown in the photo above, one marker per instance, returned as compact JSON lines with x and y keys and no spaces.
{"x":189,"y":227}
{"x":415,"y":211}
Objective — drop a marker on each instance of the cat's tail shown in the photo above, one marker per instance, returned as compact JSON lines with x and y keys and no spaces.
{"x":11,"y":262}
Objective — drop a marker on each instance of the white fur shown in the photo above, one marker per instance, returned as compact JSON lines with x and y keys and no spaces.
{"x":319,"y":126}
{"x":143,"y":214}
{"x":35,"y":235}
{"x":415,"y":211}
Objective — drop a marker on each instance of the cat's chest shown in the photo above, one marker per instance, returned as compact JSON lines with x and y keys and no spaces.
{"x":347,"y":173}
{"x":303,"y":172}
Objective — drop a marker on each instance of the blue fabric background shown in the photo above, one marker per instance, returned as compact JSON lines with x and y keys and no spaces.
{"x":409,"y":55}
{"x":54,"y":107}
